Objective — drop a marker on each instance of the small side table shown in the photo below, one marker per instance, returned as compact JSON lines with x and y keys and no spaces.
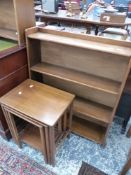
{"x":46,"y":110}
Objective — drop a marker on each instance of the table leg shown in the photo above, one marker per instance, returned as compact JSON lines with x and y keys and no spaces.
{"x":47,"y":143}
{"x":43,"y":143}
{"x":59,"y":24}
{"x":52,"y":145}
{"x":7,"y":120}
{"x":70,"y":116}
{"x":59,"y":125}
{"x":14,"y":129}
{"x":96,"y":30}
{"x":88,"y":29}
{"x":65,"y":121}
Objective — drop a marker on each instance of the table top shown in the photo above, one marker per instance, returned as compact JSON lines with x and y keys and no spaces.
{"x":92,"y":19}
{"x":6,"y":44}
{"x":38,"y":101}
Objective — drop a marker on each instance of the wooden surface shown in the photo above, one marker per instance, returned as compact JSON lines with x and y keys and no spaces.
{"x":46,"y":109}
{"x":9,"y":34}
{"x":12,"y":63}
{"x":47,"y":97}
{"x":93,"y":68}
{"x":7,"y":15}
{"x":82,"y":91}
{"x":15,"y":17}
{"x":95,"y":112}
{"x":13,"y":70}
{"x":25,"y":17}
{"x":118,"y":50}
{"x":89,"y":170}
{"x":101,"y":62}
{"x":94,"y":20}
{"x":31,"y":136}
{"x":88,"y":130}
{"x":78,"y":77}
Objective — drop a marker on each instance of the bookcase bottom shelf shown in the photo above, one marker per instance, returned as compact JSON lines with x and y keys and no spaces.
{"x":88,"y":130}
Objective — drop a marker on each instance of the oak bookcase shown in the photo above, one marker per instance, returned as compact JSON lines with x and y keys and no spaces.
{"x":93,"y":68}
{"x":15,"y":17}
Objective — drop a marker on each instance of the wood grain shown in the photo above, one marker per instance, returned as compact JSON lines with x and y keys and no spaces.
{"x":88,"y":130}
{"x":95,"y":112}
{"x":92,"y":62}
{"x":118,"y":50}
{"x":77,"y":77}
{"x":95,"y":69}
{"x":31,"y":136}
{"x":82,"y":91}
{"x":7,"y":15}
{"x":15,"y":17}
{"x":46,"y":110}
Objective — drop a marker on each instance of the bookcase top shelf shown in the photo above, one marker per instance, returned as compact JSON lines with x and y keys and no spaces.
{"x":87,"y":42}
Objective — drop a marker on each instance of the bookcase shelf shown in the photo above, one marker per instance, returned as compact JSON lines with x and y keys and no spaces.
{"x":113,"y":49}
{"x":78,"y":77}
{"x":95,"y":69}
{"x":88,"y":130}
{"x":92,"y":111}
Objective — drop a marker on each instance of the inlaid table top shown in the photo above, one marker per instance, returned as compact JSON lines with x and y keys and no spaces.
{"x":38,"y":101}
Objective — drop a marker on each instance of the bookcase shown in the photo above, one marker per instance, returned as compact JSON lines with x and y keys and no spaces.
{"x":15,"y":17}
{"x":93,"y":68}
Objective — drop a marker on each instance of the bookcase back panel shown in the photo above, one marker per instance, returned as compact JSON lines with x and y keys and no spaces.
{"x":7,"y":15}
{"x":34,"y":52}
{"x":81,"y":91}
{"x":92,"y":62}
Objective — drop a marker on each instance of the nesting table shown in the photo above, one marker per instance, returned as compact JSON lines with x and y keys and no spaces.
{"x":48,"y":112}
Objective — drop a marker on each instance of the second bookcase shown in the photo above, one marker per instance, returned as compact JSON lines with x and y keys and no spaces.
{"x":93,"y":68}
